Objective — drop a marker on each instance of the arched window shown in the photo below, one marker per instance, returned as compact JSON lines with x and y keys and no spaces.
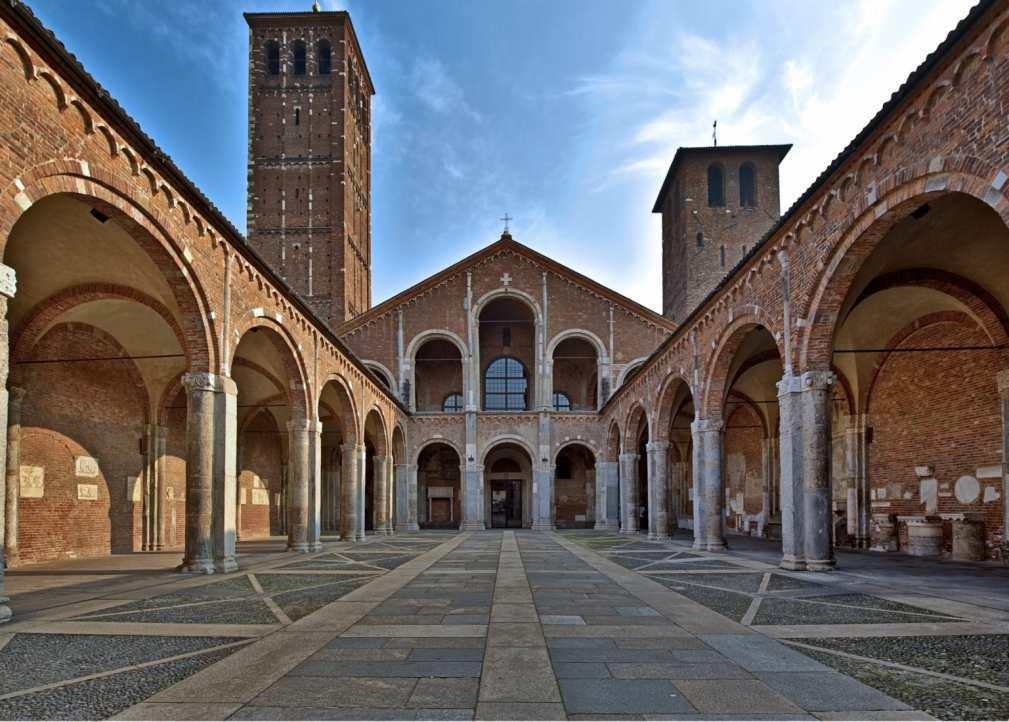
{"x":452,"y":404}
{"x":325,"y":56}
{"x":299,"y":53}
{"x":716,"y":186}
{"x":272,"y":50}
{"x":747,"y":185}
{"x":505,"y":385}
{"x":562,"y":401}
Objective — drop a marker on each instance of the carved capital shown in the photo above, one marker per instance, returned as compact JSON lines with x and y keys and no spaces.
{"x":818,"y":380}
{"x":702,"y":426}
{"x":657,"y":446}
{"x":789,"y":384}
{"x":299,"y":425}
{"x":199,"y":382}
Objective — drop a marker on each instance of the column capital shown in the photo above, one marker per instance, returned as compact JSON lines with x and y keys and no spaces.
{"x":300,"y":425}
{"x":817,"y":380}
{"x":205,"y":381}
{"x":629,"y":457}
{"x":789,"y":384}
{"x":701,"y":426}
{"x":657,"y":446}
{"x":1002,"y":379}
{"x":350,"y":447}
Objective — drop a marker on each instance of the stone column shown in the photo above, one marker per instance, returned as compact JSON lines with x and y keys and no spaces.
{"x":602,"y":470}
{"x":590,"y":496}
{"x":402,"y":491}
{"x":200,"y":433}
{"x":315,"y":486}
{"x":629,"y":493}
{"x":160,"y":484}
{"x":767,"y":482}
{"x":543,"y":475}
{"x":383,"y":473}
{"x":1003,"y":392}
{"x":299,"y":471}
{"x":790,"y":474}
{"x":350,"y":479}
{"x":817,"y":399}
{"x":7,"y":288}
{"x":857,"y":448}
{"x":362,"y":490}
{"x":694,"y":492}
{"x":658,"y":490}
{"x":15,"y":397}
{"x":709,"y":521}
{"x":225,"y":526}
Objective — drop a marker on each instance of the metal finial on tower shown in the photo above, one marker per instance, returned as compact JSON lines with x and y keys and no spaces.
{"x":506,"y":218}
{"x":714,"y":133}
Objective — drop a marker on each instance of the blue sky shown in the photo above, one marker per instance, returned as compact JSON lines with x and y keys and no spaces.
{"x":565,"y":113}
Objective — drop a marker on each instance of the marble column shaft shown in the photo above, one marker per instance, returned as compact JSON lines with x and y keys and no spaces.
{"x":817,"y":399}
{"x":15,"y":399}
{"x":383,"y":476}
{"x":658,"y":490}
{"x":1003,"y":391}
{"x":7,"y":288}
{"x":405,"y":478}
{"x":629,"y":493}
{"x":349,"y":481}
{"x":709,"y":492}
{"x":299,"y":473}
{"x":790,"y":472}
{"x":200,"y":431}
{"x":858,"y":462}
{"x":316,"y":481}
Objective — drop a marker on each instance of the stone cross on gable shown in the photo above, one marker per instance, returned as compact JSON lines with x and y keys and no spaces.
{"x":506,"y":279}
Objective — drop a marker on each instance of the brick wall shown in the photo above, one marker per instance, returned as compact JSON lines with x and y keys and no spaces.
{"x":260,"y":467}
{"x":60,"y":421}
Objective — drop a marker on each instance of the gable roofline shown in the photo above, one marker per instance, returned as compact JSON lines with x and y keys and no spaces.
{"x":44,"y":42}
{"x":901,"y":94}
{"x":683,"y":151}
{"x":505,"y":243}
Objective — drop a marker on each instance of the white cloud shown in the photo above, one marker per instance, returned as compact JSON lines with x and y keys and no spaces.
{"x":437,"y":90}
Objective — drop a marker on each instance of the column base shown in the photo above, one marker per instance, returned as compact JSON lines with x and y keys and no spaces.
{"x":542,"y":526}
{"x":315,"y":547}
{"x":820,"y":565}
{"x":472,"y":526}
{"x":196,"y":566}
{"x":792,"y":564}
{"x":298,"y":547}
{"x":658,"y":537}
{"x":627,"y":530}
{"x":5,"y":611}
{"x":410,"y":526}
{"x":715,"y":545}
{"x":607,"y":525}
{"x":225,"y":566}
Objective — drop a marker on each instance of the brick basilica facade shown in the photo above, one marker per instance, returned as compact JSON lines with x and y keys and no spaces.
{"x":834,"y":375}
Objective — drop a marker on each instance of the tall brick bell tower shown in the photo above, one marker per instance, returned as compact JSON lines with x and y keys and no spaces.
{"x":309,"y":205}
{"x":716,"y":203}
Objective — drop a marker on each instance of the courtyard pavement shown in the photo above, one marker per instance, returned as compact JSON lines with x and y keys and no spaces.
{"x":507,"y":625}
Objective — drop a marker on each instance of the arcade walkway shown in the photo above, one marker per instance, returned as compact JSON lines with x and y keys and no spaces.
{"x":505,"y":625}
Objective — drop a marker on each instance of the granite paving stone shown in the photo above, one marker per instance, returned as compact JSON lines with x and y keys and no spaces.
{"x":824,"y":691}
{"x":617,"y":696}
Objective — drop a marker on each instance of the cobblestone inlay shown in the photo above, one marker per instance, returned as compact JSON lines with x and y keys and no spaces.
{"x":941,"y":698}
{"x":49,"y":675}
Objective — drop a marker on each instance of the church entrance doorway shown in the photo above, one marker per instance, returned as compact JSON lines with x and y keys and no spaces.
{"x":506,"y":504}
{"x":508,"y":491}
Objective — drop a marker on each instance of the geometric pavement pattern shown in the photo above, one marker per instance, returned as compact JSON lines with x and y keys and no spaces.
{"x":169,"y":636}
{"x":925,"y":658}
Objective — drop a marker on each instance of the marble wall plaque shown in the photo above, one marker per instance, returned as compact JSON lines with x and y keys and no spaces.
{"x":989,"y":472}
{"x":930,"y":495}
{"x":87,"y":492}
{"x":990,"y":494}
{"x":33,"y":482}
{"x":260,"y":497}
{"x":86,"y":466}
{"x":967,"y":489}
{"x":134,"y":490}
